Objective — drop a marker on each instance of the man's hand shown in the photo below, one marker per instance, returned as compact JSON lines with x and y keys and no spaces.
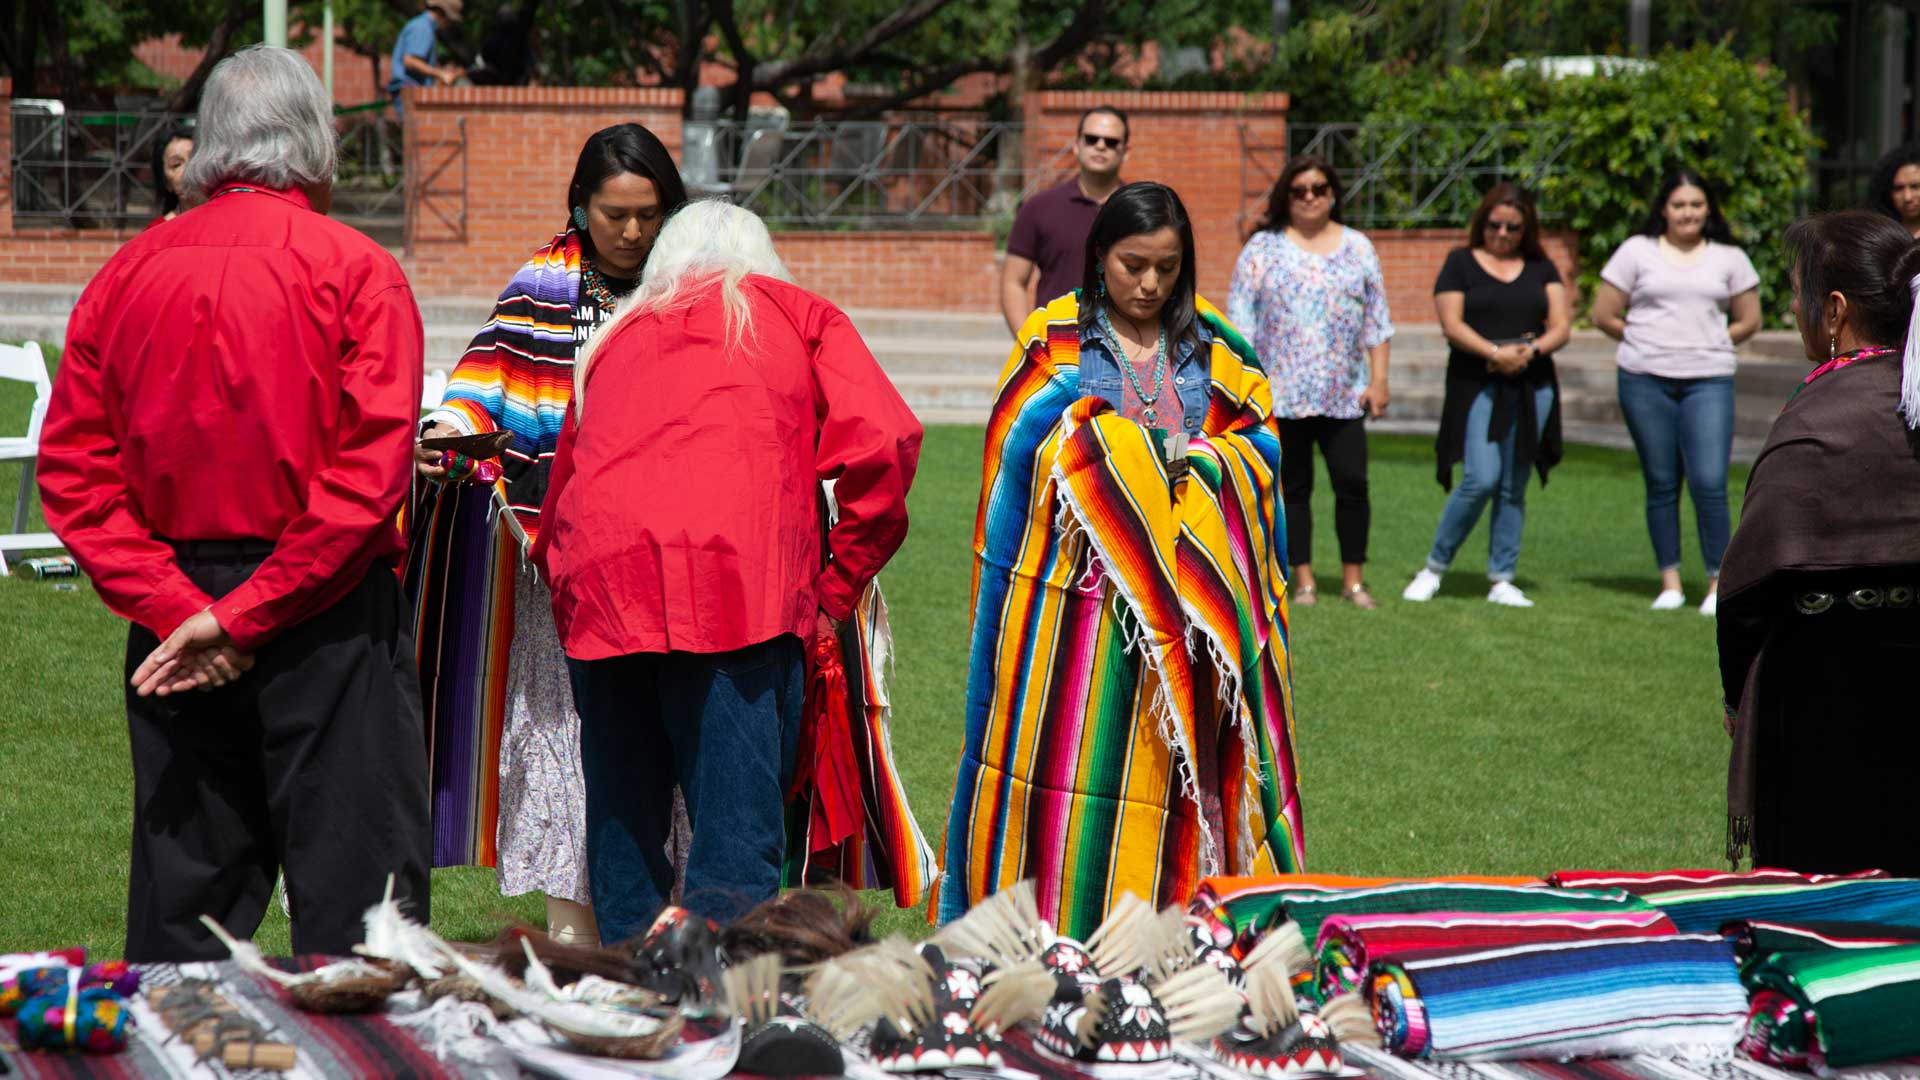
{"x":1374,"y":399}
{"x":428,"y":461}
{"x":198,"y":655}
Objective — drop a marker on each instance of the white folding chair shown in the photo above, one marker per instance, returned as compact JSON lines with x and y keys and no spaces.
{"x":25,"y":363}
{"x":433,"y":389}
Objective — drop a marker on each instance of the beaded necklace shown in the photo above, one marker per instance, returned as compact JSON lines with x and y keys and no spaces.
{"x":594,"y":284}
{"x":1158,"y":363}
{"x":1838,"y":362}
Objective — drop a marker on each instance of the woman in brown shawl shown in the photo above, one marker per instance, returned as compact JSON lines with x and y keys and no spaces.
{"x":1819,"y":627}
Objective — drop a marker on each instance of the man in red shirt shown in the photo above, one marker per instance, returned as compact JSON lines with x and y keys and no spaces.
{"x":229,"y":442}
{"x":681,"y":534}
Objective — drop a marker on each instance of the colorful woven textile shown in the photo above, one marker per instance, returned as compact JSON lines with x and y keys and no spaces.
{"x":1835,"y":1008}
{"x":1248,"y":906}
{"x":460,"y":569}
{"x":1675,"y":995}
{"x":1101,"y":756}
{"x":1706,"y":910}
{"x":1313,"y":910}
{"x":1349,"y":943}
{"x":1664,"y":881}
{"x":889,"y":851}
{"x":1756,"y":939}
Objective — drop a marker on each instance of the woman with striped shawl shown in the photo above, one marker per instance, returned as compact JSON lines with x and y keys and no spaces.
{"x":1128,"y":696}
{"x":503,"y":735}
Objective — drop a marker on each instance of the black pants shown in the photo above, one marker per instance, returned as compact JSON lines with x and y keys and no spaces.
{"x":314,"y":761}
{"x":1344,"y":444}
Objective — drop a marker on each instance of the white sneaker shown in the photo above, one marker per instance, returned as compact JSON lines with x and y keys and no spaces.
{"x":1422,"y":587}
{"x":1507,"y":594}
{"x":1710,"y":607}
{"x":1669,"y":600}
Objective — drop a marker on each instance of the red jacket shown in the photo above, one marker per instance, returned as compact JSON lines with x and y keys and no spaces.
{"x":249,"y":370}
{"x":683,"y":512}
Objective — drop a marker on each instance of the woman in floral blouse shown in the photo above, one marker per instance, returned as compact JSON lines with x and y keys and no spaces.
{"x":1307,"y":289}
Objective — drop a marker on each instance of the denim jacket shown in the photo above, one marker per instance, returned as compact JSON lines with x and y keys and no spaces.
{"x":1192,"y":374}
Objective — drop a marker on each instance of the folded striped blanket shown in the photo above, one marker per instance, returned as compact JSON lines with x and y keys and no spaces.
{"x":1756,"y":939}
{"x":1245,"y":907}
{"x":1349,"y":944}
{"x":1834,"y":1008}
{"x":1311,"y":911}
{"x":1665,"y":881}
{"x":1706,"y":910}
{"x":1672,"y":996}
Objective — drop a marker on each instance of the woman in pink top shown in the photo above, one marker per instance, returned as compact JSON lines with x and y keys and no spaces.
{"x":1680,"y":298}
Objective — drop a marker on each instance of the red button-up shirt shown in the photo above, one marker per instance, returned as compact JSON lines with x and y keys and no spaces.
{"x":249,"y":370}
{"x":683,"y":510}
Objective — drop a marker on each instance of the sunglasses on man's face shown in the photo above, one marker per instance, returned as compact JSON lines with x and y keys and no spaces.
{"x":1303,"y":192}
{"x":1109,"y":141}
{"x":1506,"y":226}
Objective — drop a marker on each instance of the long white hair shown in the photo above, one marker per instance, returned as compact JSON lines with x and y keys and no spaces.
{"x":704,"y":239}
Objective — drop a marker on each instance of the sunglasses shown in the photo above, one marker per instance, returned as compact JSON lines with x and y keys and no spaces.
{"x":1303,"y":192}
{"x":1109,"y":141}
{"x":1506,"y":226}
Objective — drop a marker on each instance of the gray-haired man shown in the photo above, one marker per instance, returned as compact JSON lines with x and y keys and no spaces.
{"x":229,"y":444}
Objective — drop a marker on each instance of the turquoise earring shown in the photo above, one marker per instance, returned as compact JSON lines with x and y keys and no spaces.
{"x":580,"y":218}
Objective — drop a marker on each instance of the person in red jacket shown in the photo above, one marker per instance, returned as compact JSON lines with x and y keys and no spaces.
{"x":682,"y":543}
{"x":229,"y":443}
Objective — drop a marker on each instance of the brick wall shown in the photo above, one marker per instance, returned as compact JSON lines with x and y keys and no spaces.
{"x":515,"y":157}
{"x":508,"y":153}
{"x":1189,"y":141}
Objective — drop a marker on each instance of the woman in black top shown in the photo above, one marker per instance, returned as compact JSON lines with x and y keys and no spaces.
{"x":1504,"y":310}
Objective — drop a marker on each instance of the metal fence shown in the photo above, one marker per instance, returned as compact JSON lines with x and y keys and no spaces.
{"x":95,"y":169}
{"x":911,"y":172}
{"x":1411,"y":175}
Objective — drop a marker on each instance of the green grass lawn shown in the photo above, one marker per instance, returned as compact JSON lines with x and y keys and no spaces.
{"x":1447,"y":737}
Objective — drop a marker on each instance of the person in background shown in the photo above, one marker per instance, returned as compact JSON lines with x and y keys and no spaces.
{"x":517,"y":377}
{"x":506,"y":52}
{"x":1679,"y":297}
{"x":231,"y":486}
{"x":1110,"y":542}
{"x":170,"y":154}
{"x":1895,"y":187}
{"x":1049,"y":239}
{"x":681,"y":535}
{"x":1819,"y":631}
{"x":1503,"y":309}
{"x":416,"y":52}
{"x":1308,"y":291}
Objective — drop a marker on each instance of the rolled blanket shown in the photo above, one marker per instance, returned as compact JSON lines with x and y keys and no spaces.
{"x":1663,"y":881}
{"x":1348,"y":943}
{"x":1756,"y":939}
{"x":1834,"y":1008}
{"x":1706,"y":910}
{"x":1246,"y":906}
{"x":1312,"y":910}
{"x":1667,"y":996}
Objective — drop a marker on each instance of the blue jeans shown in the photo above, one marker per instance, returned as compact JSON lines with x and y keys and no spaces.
{"x":1489,"y":470}
{"x":1682,"y":426}
{"x":723,"y":726}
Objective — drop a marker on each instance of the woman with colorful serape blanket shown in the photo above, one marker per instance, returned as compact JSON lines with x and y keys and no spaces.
{"x":502,"y":730}
{"x":1819,"y":630}
{"x":1129,"y":710}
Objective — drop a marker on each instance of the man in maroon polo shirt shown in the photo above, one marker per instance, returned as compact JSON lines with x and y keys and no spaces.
{"x":1049,"y":238}
{"x":229,"y":443}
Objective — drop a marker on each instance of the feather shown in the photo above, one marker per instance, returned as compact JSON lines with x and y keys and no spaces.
{"x":1124,"y":942}
{"x":1011,"y":996}
{"x":1350,"y":1020}
{"x":1003,"y":930}
{"x":752,"y":989}
{"x":572,"y":1018}
{"x":249,"y":959}
{"x":1270,"y":998}
{"x":889,"y":979}
{"x":1200,"y":1003}
{"x":391,"y":936}
{"x":1170,"y":950}
{"x":1094,"y":1010}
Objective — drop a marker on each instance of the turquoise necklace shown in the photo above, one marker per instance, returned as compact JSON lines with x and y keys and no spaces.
{"x":1159,"y":364}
